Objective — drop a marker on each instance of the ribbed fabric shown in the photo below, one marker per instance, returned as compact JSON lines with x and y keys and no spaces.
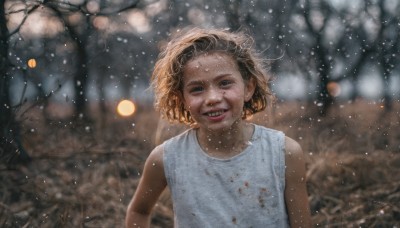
{"x":246,"y":190}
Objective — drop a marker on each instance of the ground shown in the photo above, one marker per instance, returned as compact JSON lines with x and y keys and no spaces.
{"x":83,"y":173}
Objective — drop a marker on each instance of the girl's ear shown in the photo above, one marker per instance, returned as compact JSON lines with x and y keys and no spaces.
{"x":250,"y":87}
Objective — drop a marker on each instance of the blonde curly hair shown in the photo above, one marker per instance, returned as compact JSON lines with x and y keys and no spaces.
{"x":167,"y":77}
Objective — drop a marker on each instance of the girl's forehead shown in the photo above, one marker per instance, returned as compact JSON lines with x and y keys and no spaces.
{"x":208,"y":67}
{"x":211,"y":59}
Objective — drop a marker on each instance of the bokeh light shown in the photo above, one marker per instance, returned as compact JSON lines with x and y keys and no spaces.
{"x":31,"y":63}
{"x":101,"y":22}
{"x":139,"y":21}
{"x":126,"y":108}
{"x":93,"y":7}
{"x":334,"y":89}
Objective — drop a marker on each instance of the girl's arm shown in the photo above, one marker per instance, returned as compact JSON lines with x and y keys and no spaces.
{"x":151,"y":185}
{"x":296,"y":196}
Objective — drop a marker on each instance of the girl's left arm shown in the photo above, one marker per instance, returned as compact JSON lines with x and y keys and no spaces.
{"x":296,"y":195}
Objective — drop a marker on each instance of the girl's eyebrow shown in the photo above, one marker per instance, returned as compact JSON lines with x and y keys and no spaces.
{"x":194,"y":82}
{"x":197,"y":82}
{"x":218,"y":77}
{"x":222,"y":76}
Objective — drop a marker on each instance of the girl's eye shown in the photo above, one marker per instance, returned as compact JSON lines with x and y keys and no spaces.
{"x":196,"y":89}
{"x":225,"y":83}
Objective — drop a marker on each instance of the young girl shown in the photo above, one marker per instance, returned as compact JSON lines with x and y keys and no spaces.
{"x":223,"y":171}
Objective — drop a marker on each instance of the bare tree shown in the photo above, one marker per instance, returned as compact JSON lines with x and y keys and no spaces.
{"x":387,"y":48}
{"x":379,"y":46}
{"x":11,"y":150}
{"x":336,"y":43}
{"x":6,"y":116}
{"x":80,"y":34}
{"x":10,"y":145}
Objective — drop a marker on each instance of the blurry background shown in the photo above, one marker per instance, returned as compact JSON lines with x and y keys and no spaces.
{"x":66,"y":65}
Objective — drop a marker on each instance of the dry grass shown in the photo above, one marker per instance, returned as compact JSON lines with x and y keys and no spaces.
{"x":83,"y":175}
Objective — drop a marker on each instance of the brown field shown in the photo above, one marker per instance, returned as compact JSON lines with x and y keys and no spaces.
{"x":84,"y":174}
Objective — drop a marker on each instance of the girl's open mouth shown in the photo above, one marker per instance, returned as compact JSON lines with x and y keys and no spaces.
{"x":214,"y":114}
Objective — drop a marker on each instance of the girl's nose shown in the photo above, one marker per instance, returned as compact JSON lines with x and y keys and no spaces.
{"x":213,"y":97}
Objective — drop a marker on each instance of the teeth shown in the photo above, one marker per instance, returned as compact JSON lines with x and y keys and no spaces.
{"x":215,"y":113}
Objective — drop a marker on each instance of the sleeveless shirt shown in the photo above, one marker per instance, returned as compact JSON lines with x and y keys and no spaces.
{"x":246,"y":190}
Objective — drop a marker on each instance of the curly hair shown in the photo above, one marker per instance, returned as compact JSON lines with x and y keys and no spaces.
{"x":167,"y":77}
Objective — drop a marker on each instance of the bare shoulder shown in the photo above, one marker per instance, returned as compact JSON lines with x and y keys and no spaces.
{"x":154,"y":167}
{"x":156,"y":156}
{"x":293,"y":154}
{"x":292,"y":147}
{"x":153,"y":173}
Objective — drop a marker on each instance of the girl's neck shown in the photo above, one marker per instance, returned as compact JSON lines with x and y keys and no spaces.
{"x":225,"y":143}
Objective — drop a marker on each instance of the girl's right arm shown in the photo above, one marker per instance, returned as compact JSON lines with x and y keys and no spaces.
{"x":151,"y":185}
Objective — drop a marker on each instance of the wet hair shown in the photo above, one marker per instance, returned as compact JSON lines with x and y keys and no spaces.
{"x":167,"y":77}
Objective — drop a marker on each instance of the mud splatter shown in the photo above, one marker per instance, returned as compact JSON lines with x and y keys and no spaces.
{"x":234,"y":220}
{"x":261,"y":201}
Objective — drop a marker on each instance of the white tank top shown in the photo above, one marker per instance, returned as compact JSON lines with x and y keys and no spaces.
{"x":246,"y":190}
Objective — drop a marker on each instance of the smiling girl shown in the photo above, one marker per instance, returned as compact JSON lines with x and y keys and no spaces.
{"x":223,"y":171}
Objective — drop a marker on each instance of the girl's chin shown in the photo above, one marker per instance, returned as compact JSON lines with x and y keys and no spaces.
{"x":220,"y":127}
{"x":214,"y":127}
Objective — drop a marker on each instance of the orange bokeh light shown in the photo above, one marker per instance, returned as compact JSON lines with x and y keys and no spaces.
{"x":334,"y":89}
{"x":31,"y":63}
{"x":126,"y":108}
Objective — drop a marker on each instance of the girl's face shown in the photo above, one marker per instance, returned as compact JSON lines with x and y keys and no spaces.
{"x":214,"y":91}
